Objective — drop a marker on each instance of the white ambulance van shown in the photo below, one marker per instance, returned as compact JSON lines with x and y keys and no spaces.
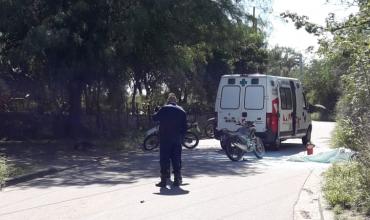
{"x":277,"y":106}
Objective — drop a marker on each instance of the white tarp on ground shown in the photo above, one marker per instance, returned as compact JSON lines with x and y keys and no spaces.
{"x":336,"y":155}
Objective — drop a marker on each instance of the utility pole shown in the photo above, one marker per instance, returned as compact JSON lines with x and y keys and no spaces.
{"x":254,"y":20}
{"x":301,"y":64}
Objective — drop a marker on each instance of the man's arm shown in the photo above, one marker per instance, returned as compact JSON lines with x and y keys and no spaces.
{"x":184,"y":126}
{"x":157,"y":116}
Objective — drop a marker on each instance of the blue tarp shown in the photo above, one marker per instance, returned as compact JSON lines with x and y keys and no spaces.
{"x":337,"y":155}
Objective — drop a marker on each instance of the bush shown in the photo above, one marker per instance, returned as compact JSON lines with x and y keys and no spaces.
{"x":346,"y":135}
{"x":3,"y":170}
{"x":346,"y":186}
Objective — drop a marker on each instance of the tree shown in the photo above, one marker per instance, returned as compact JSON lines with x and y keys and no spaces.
{"x":321,"y":84}
{"x":60,"y":42}
{"x":282,"y":61}
{"x":84,"y":54}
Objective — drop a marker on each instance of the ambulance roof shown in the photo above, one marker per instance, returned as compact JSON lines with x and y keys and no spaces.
{"x":258,"y":75}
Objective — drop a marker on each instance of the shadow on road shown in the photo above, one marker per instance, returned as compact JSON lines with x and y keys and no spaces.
{"x":115,"y":167}
{"x":172,"y":191}
{"x":286,"y":149}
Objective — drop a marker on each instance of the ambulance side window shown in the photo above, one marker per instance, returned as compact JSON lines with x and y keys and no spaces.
{"x":286,"y":98}
{"x":230,"y":97}
{"x":304,"y":101}
{"x":288,"y":94}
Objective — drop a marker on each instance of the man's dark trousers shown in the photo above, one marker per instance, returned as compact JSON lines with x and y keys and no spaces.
{"x":170,"y":152}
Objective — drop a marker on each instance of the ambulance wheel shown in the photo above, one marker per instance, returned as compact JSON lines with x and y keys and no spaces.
{"x":276,"y":146}
{"x":307,"y":139}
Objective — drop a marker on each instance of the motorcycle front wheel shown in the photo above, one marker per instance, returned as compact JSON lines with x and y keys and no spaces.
{"x":151,"y":142}
{"x":259,"y":149}
{"x":191,"y":140}
{"x":233,"y":152}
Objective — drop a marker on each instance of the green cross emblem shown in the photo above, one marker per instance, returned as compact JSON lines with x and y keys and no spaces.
{"x":243,"y":82}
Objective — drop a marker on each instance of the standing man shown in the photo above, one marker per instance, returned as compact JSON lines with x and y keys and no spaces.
{"x":172,"y":128}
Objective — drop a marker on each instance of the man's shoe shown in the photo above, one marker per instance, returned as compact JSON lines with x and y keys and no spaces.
{"x":177,"y":182}
{"x":163,"y":183}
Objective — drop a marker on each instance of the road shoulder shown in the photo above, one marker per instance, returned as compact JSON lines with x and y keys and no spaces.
{"x":311,"y":203}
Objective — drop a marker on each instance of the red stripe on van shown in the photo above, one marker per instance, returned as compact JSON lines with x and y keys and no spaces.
{"x":272,"y":119}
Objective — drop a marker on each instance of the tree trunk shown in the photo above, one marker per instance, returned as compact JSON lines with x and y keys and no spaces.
{"x":185,"y":99}
{"x":98,"y":109}
{"x":133,"y":99}
{"x":74,"y":122}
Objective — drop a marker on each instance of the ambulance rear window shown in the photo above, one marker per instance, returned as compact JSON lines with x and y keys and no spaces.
{"x":230,"y":96}
{"x":254,"y":97}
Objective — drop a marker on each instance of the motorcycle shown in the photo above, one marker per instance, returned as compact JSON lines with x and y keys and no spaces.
{"x":191,"y":139}
{"x":244,"y":140}
{"x":209,"y":129}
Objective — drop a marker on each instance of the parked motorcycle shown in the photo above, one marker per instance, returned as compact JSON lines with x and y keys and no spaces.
{"x":191,"y":139}
{"x":244,"y":140}
{"x":209,"y":129}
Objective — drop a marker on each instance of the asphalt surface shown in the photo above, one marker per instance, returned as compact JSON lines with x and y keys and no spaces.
{"x":121,"y":186}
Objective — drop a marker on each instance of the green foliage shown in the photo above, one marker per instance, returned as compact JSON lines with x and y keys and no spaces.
{"x":345,"y":135}
{"x":344,"y":187}
{"x":3,"y":170}
{"x":251,"y":55}
{"x":352,"y":42}
{"x":282,"y":61}
{"x":345,"y":65}
{"x":338,"y":210}
{"x":322,"y":84}
{"x":72,"y":56}
{"x":320,"y":78}
{"x":302,"y":21}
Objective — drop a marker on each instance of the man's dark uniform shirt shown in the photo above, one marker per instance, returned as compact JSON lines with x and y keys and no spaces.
{"x":172,"y":120}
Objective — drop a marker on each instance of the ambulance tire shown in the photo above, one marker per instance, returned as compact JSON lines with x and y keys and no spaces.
{"x":276,"y":146}
{"x":307,"y":139}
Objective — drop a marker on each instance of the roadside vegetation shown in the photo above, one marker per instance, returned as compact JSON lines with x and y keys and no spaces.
{"x":9,"y":170}
{"x":340,"y":79}
{"x":346,"y":187}
{"x":3,"y":170}
{"x":353,"y":111}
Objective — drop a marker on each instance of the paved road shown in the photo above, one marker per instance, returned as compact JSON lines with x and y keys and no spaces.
{"x":121,"y":186}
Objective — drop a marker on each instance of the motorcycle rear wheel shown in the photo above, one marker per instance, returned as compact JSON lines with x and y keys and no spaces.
{"x":233,"y":152}
{"x":151,"y":142}
{"x":259,"y":150}
{"x":209,"y":130}
{"x":191,"y":140}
